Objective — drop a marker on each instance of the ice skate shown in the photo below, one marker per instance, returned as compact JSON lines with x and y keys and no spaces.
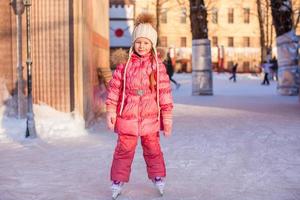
{"x":116,"y":189}
{"x":159,"y":184}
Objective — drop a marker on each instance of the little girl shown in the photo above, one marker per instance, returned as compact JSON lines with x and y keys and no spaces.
{"x":139,"y":104}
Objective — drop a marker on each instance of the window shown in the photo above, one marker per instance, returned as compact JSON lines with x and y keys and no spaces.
{"x":230,"y":15}
{"x":183,"y":41}
{"x":246,"y":41}
{"x":230,"y":42}
{"x":164,"y":41}
{"x":247,"y":15}
{"x":214,"y":16}
{"x":183,"y":16}
{"x":214,"y":41}
{"x":163,"y":16}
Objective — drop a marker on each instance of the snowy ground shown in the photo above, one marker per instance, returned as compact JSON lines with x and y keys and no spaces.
{"x":242,"y":143}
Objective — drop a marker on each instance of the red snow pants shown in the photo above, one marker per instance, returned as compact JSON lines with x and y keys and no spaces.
{"x":124,"y":154}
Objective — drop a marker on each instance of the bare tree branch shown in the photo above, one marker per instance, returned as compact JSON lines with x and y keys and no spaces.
{"x":261,"y":29}
{"x":297,"y":20}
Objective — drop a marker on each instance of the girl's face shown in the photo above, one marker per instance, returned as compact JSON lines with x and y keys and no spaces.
{"x":142,"y":46}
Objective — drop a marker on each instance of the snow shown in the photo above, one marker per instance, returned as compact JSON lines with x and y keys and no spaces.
{"x":240,"y":143}
{"x":50,"y":123}
{"x":4,"y":94}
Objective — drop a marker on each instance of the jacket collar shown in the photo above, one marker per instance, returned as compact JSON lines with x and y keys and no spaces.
{"x":144,"y":57}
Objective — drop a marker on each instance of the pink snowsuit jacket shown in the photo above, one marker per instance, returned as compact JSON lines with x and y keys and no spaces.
{"x":140,"y":110}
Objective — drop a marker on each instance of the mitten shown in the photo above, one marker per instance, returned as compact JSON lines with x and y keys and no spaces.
{"x":111,"y":120}
{"x":167,"y":122}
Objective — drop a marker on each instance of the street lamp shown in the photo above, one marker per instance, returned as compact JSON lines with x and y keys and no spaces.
{"x":30,"y":124}
{"x":18,"y":8}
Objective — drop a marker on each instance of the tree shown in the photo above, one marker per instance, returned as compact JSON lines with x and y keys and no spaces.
{"x":296,"y":12}
{"x":198,"y":18}
{"x":282,"y":16}
{"x":261,"y":28}
{"x":158,"y":10}
{"x":287,"y":47}
{"x":266,"y":24}
{"x":201,"y":56}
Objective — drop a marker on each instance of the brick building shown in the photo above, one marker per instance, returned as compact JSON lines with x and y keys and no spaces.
{"x":70,"y":50}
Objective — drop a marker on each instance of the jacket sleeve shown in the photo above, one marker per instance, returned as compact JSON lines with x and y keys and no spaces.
{"x":165,"y":93}
{"x":114,"y":89}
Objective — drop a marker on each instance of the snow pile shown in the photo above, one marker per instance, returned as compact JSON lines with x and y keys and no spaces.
{"x":50,"y":124}
{"x":11,"y":128}
{"x":4,"y":94}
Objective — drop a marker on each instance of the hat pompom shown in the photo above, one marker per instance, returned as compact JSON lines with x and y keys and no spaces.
{"x":145,"y":18}
{"x":119,"y":56}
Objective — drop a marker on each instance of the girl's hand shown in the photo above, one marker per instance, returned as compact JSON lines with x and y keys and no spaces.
{"x":111,"y":120}
{"x":167,"y":127}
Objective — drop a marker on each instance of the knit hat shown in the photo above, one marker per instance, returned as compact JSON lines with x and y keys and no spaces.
{"x":144,"y":27}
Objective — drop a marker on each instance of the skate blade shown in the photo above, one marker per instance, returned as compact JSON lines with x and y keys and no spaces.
{"x":114,"y":197}
{"x":161,"y":192}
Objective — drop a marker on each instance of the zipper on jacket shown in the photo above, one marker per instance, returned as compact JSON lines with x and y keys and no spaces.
{"x":139,"y":105}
